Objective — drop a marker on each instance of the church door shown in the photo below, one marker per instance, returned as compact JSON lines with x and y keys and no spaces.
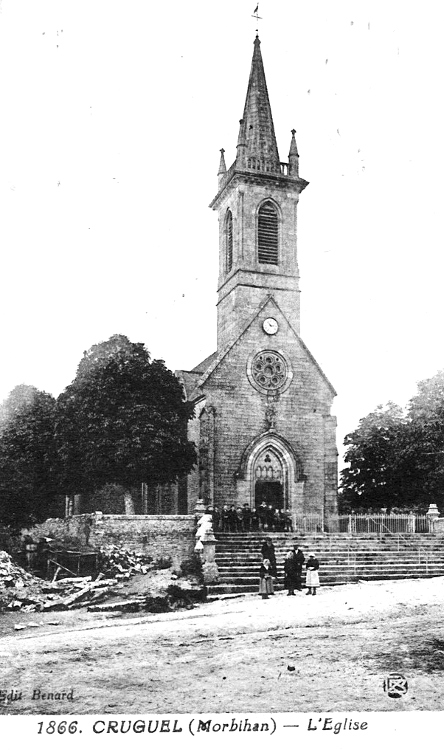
{"x":269,"y":478}
{"x":269,"y":492}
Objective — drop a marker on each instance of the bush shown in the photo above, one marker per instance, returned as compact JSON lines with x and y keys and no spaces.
{"x":192,"y":567}
{"x":108,"y":499}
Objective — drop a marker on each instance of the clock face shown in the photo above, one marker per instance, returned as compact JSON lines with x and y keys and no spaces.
{"x":270,"y":326}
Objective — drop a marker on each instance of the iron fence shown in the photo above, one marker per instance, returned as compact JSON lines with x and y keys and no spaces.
{"x":383,"y":523}
{"x":396,"y":523}
{"x":309,"y":524}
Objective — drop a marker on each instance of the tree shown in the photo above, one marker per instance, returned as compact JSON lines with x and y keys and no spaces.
{"x":122,"y":420}
{"x":19,"y":397}
{"x":375,"y":477}
{"x":28,"y":475}
{"x":426,"y":439}
{"x":397,"y":459}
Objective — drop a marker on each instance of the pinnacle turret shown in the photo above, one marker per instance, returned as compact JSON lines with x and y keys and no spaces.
{"x":293,"y":157}
{"x":222,"y":166}
{"x":241,"y":143}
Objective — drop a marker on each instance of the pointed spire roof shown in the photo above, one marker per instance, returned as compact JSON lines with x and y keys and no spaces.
{"x":293,"y":156}
{"x":293,"y":147}
{"x":257,"y":147}
{"x":222,"y":165}
{"x":257,"y":151}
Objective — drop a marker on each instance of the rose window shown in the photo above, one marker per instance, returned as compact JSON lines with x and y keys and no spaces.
{"x":269,"y":370}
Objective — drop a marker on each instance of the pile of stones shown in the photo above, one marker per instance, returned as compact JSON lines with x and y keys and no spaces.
{"x":24,"y":592}
{"x":120,"y":563}
{"x":18,"y":588}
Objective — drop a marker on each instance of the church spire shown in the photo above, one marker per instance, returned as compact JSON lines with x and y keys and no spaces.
{"x":259,"y":149}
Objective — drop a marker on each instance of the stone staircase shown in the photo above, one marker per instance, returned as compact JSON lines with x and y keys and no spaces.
{"x":342,"y":558}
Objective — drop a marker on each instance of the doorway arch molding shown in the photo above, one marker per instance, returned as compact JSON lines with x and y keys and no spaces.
{"x":281,"y":448}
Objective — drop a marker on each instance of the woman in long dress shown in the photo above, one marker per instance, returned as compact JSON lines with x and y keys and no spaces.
{"x":265,"y":579}
{"x":290,"y":573}
{"x":312,"y":580}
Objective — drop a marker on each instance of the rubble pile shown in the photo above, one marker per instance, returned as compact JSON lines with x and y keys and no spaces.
{"x":120,"y":563}
{"x":21,"y":591}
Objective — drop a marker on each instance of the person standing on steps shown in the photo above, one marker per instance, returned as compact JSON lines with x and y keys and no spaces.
{"x":232,"y":519}
{"x":262,"y":515}
{"x":288,"y":521}
{"x":312,"y":580}
{"x":265,"y":579}
{"x":290,"y":573}
{"x":239,"y":519}
{"x":269,"y":514}
{"x":246,"y":512}
{"x":216,"y":518}
{"x":268,"y":553}
{"x":225,"y":518}
{"x":300,"y":559}
{"x":254,"y":520}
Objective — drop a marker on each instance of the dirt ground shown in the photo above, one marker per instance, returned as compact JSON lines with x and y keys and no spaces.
{"x":330,"y":653}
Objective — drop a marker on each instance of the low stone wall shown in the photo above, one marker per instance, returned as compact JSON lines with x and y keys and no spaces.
{"x":438,"y":526}
{"x":157,"y":536}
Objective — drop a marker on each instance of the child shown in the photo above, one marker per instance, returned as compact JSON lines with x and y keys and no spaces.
{"x":266,"y":579}
{"x":312,"y":580}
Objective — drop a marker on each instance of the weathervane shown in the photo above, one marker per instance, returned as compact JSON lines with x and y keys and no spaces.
{"x":257,"y":16}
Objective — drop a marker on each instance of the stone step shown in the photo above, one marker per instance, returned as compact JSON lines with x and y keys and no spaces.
{"x":304,"y":544}
{"x":325,"y":554}
{"x":329,"y":542}
{"x":221,"y":536}
{"x":339,"y":550}
{"x":331,"y":550}
{"x":340,"y":555}
{"x":330,"y":569}
{"x":334,"y":575}
{"x":343,"y":558}
{"x":252,"y":559}
{"x":232,"y":588}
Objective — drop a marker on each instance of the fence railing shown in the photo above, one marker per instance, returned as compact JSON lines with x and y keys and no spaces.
{"x":310,"y":524}
{"x":398,"y":523}
{"x":384,"y":523}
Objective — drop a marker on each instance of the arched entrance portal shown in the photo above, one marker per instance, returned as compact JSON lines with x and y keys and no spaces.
{"x":270,"y":472}
{"x":269,"y":475}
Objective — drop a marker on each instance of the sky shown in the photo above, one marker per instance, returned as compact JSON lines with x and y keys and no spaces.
{"x":113,"y":115}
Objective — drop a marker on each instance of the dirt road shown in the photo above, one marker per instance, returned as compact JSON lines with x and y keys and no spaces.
{"x":331,"y":652}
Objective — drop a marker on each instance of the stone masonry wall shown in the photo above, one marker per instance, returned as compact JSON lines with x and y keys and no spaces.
{"x":157,"y":536}
{"x":241,"y":290}
{"x":301,"y":413}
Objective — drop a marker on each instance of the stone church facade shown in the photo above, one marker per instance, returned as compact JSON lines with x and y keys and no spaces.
{"x":263,"y":425}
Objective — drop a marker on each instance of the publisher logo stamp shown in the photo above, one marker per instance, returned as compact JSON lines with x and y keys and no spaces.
{"x":395,"y":685}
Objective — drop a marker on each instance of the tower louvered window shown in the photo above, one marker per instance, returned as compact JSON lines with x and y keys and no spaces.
{"x":268,"y":234}
{"x":229,"y":240}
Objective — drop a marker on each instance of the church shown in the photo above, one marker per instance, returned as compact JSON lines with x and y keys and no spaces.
{"x":263,"y":425}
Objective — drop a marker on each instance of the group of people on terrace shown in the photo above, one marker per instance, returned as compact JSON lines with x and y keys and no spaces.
{"x":244,"y":519}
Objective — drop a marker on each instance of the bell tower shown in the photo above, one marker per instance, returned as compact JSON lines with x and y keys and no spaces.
{"x":263,"y":422}
{"x":257,"y":204}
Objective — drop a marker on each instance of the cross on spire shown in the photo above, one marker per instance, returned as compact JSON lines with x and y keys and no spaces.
{"x":257,"y":16}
